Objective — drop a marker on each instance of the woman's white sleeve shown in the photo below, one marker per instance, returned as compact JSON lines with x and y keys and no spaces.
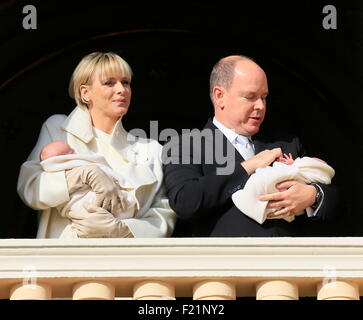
{"x":38,"y":189}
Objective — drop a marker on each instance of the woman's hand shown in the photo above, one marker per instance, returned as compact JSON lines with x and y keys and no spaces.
{"x":293,"y":198}
{"x":98,"y":223}
{"x":104,"y":186}
{"x":261,"y":160}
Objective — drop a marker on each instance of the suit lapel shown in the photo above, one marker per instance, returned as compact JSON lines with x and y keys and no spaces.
{"x":263,"y":142}
{"x":210,"y":126}
{"x":260,"y":145}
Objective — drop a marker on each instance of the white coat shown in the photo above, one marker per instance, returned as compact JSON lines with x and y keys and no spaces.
{"x":136,"y":158}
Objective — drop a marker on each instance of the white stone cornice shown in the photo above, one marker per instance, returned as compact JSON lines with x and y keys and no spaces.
{"x":241,"y":259}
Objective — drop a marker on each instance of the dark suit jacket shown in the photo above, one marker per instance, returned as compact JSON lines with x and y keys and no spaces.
{"x":199,"y":195}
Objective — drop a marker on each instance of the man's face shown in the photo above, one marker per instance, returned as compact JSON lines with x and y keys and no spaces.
{"x":243,"y":107}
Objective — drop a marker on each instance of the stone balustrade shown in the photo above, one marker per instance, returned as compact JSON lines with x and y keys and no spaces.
{"x":198,"y":268}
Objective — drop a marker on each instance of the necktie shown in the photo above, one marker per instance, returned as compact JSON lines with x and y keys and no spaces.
{"x":245,"y":147}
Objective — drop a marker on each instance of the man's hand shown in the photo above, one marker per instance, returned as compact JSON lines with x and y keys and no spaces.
{"x":261,"y":160}
{"x":98,"y":223}
{"x":104,"y":187}
{"x":293,"y":198}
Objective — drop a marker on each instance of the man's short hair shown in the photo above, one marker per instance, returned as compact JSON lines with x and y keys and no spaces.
{"x":223,"y":72}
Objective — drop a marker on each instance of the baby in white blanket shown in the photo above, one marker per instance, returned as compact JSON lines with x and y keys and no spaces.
{"x":58,"y":156}
{"x":264,"y":180}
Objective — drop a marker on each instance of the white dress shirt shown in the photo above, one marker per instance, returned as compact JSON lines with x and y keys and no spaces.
{"x":243,"y":144}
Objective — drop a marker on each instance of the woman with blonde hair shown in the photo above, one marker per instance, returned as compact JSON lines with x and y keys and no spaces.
{"x":100,"y":85}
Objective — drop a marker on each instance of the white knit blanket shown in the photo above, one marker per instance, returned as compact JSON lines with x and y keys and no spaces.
{"x":264,"y":180}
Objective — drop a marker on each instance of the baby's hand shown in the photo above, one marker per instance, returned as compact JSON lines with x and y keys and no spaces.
{"x":286,"y":159}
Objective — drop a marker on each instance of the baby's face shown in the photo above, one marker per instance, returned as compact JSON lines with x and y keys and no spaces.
{"x":57,"y":148}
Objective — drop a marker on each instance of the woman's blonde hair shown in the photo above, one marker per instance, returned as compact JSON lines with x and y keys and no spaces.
{"x":108,"y":64}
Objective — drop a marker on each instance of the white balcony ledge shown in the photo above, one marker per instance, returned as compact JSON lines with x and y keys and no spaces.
{"x":182,"y":262}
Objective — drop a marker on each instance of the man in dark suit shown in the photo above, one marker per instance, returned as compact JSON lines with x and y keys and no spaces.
{"x":204,"y":168}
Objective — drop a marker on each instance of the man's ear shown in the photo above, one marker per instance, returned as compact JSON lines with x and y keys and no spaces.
{"x":218,"y":95}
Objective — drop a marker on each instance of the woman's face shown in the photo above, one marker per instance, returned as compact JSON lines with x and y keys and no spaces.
{"x":108,"y":96}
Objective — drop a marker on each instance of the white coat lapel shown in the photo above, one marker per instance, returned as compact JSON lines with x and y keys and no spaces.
{"x":79,"y":124}
{"x":126,"y":154}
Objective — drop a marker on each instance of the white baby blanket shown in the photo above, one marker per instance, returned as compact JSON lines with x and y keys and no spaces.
{"x":263,"y":181}
{"x":126,"y":191}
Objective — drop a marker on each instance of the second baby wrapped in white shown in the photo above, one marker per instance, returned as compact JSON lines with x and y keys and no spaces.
{"x":264,"y":180}
{"x":126,"y":191}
